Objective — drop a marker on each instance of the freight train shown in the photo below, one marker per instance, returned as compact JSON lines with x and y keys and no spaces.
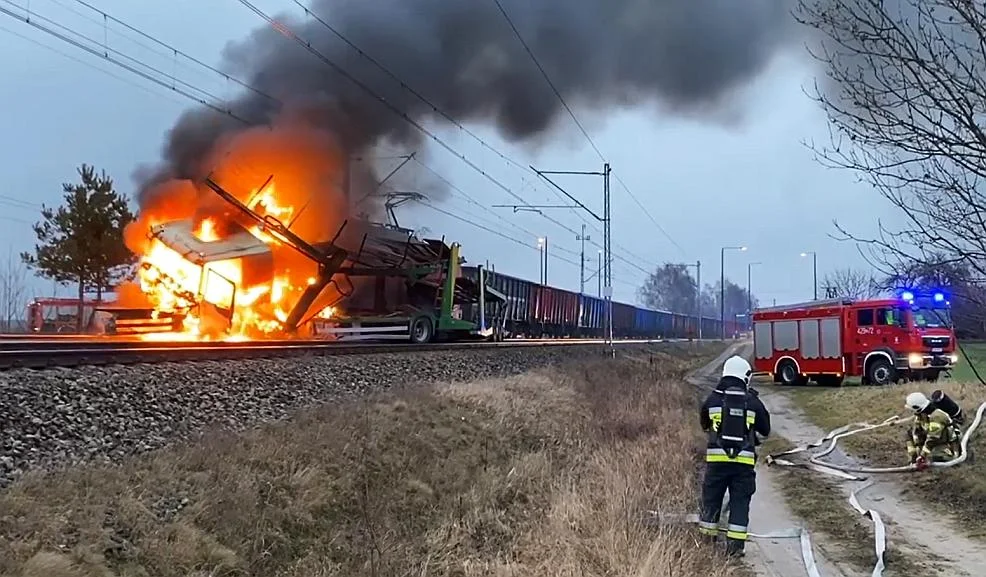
{"x":534,"y":310}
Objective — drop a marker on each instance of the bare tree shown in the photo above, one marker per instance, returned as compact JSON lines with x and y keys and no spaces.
{"x":851,"y":283}
{"x":906,"y":97}
{"x":13,"y":291}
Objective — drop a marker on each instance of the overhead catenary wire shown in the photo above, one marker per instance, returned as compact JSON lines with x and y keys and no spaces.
{"x":174,"y":51}
{"x":106,"y":51}
{"x":88,"y":64}
{"x":579,"y":124}
{"x":33,"y":22}
{"x":407,"y":87}
{"x":287,"y":32}
{"x":135,"y":68}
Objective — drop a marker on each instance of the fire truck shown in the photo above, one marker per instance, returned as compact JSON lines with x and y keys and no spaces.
{"x":908,"y":337}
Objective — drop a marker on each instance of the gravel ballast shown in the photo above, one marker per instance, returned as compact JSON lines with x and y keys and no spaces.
{"x":66,"y":416}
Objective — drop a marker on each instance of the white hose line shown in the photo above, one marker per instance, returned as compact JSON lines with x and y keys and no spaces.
{"x":800,"y":533}
{"x":815,"y":463}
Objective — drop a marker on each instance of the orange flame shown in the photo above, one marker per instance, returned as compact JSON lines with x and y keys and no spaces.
{"x":242,"y":298}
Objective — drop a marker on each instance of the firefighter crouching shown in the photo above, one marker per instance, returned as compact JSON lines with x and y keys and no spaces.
{"x":732,"y":416}
{"x":937,"y":430}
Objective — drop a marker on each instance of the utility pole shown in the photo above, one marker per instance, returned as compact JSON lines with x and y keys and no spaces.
{"x":698,"y":295}
{"x":607,"y":288}
{"x":749,"y":293}
{"x":814,"y":269}
{"x":599,"y":276}
{"x":542,"y":248}
{"x":582,"y":237}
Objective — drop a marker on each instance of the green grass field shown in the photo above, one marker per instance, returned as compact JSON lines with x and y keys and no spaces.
{"x":977,"y":356}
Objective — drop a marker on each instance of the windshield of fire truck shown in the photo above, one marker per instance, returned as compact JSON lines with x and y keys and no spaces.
{"x":931,"y":317}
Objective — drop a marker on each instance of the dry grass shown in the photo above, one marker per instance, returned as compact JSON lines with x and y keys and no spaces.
{"x":544,"y":474}
{"x":960,"y":491}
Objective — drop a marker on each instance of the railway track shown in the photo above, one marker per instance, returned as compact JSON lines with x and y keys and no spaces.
{"x":46,"y":353}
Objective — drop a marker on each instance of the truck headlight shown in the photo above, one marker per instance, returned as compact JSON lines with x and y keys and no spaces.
{"x":915,"y":360}
{"x":953,"y":358}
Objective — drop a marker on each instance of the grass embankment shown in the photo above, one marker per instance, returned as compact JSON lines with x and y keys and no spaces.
{"x":960,"y":491}
{"x":543,"y":474}
{"x":963,"y":373}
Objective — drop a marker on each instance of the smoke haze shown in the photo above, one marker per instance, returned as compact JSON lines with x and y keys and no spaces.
{"x":686,"y":55}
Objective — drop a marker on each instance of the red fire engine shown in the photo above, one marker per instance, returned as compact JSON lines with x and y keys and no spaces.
{"x":883,"y":341}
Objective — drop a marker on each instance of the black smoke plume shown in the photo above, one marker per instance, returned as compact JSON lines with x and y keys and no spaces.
{"x":686,"y":56}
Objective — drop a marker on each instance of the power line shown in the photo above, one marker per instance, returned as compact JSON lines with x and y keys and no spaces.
{"x":106,"y":50}
{"x":174,"y":51}
{"x":129,"y":68}
{"x":287,"y":32}
{"x":501,"y":235}
{"x":173,"y":86}
{"x":575,"y":119}
{"x":105,"y":55}
{"x":458,"y":191}
{"x":84,"y":63}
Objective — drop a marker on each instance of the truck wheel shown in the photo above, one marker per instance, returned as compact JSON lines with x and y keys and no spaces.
{"x":421,"y":330}
{"x":787,"y":374}
{"x":880,"y":372}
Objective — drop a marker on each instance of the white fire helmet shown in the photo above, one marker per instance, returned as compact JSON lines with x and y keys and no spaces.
{"x":917,"y":402}
{"x":736,"y":366}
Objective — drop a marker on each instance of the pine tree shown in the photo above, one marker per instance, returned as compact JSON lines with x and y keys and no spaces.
{"x":82,"y":240}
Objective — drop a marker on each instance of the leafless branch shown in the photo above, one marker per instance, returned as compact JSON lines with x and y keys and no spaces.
{"x":13,"y":292}
{"x":906,"y":96}
{"x":851,"y":283}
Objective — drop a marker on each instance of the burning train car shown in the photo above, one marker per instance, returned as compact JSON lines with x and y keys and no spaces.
{"x":233,"y":275}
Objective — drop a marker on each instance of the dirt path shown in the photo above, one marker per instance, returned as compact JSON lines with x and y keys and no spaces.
{"x":910,"y":526}
{"x":770,"y":514}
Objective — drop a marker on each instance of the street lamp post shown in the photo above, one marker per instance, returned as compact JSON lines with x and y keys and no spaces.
{"x":722,"y":286}
{"x":749,"y":294}
{"x":814,"y":269}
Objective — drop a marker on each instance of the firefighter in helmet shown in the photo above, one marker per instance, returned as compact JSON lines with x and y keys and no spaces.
{"x":733,"y":416}
{"x":934,"y":436}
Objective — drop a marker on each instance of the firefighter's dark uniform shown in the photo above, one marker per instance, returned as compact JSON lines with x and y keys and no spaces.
{"x":736,"y":474}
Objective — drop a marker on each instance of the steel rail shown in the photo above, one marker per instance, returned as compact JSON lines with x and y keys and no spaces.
{"x":61,"y":353}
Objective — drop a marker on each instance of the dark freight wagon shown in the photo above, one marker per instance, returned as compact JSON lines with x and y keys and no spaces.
{"x":533,"y":310}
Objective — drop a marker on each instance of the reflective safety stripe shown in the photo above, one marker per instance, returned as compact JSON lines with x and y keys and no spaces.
{"x":720,"y":456}
{"x":708,"y":528}
{"x":735,"y":393}
{"x":738,"y":535}
{"x":715,"y":411}
{"x":738,"y":528}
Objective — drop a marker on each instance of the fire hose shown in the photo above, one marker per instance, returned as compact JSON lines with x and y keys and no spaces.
{"x":816,"y":463}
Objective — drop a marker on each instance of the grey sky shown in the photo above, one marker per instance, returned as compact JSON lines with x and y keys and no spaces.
{"x":749,"y":182}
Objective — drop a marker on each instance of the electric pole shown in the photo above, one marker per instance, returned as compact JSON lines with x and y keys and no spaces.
{"x":599,"y":276}
{"x":607,"y":288}
{"x":698,"y":295}
{"x":582,"y":237}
